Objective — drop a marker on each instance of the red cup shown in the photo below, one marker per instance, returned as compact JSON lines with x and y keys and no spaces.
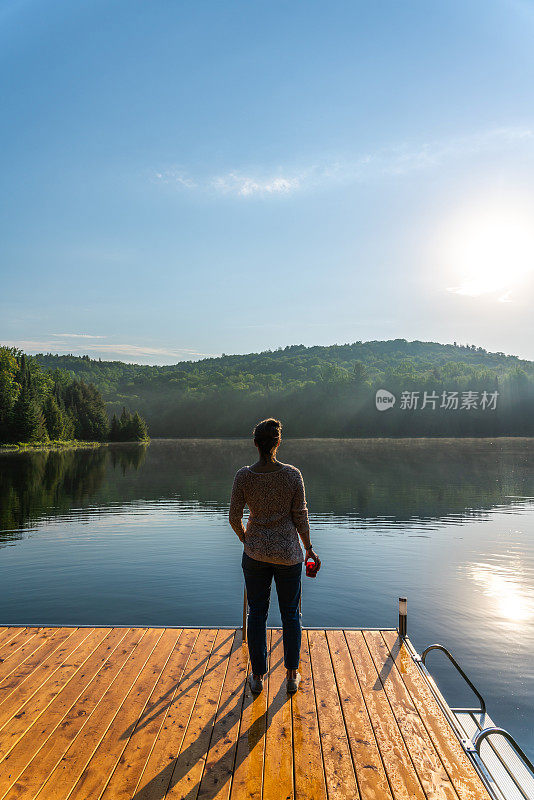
{"x":311,"y":568}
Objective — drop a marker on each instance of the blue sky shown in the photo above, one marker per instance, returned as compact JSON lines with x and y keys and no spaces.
{"x":182,"y":179}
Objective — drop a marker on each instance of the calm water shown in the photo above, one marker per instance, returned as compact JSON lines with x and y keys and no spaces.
{"x":135,"y":535}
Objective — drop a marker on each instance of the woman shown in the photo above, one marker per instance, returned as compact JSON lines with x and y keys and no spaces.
{"x":274,"y":493}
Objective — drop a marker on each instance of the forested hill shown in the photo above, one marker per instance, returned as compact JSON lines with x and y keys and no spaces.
{"x":320,"y":391}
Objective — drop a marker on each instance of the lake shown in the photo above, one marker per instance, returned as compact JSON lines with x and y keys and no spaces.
{"x":136,"y":535}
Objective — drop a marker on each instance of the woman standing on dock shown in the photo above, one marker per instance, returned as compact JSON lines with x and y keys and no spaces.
{"x":274,"y":493}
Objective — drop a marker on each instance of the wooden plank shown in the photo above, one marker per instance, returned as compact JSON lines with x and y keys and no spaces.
{"x":338,"y":766}
{"x":30,"y":711}
{"x":25,"y":635}
{"x":216,"y":781}
{"x":126,"y":776}
{"x":7,"y":632}
{"x":278,"y":770}
{"x":426,"y":761}
{"x":20,"y":687}
{"x":55,"y":746}
{"x":189,"y":765}
{"x":459,"y":768}
{"x":32,"y":651}
{"x":307,"y":753}
{"x":399,"y":768}
{"x":248,"y":770}
{"x":107,"y":753}
{"x":11,"y":647}
{"x":35,"y":737}
{"x":64,"y":776}
{"x":370,"y":773}
{"x":8,"y":635}
{"x":161,"y":762}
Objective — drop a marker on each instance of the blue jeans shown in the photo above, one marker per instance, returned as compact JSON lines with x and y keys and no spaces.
{"x":258,"y":578}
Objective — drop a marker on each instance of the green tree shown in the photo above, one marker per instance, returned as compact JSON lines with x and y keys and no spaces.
{"x":115,"y":430}
{"x":69,"y":425}
{"x":27,"y":422}
{"x":9,"y":387}
{"x":53,"y":418}
{"x":360,"y":372}
{"x":138,"y":428}
{"x":125,"y":423}
{"x":85,"y":404}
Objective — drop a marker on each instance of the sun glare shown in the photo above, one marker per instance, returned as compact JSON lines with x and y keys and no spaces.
{"x":491,"y":253}
{"x":511,"y":597}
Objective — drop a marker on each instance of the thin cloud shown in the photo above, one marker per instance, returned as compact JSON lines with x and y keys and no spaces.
{"x":394,"y":161}
{"x":143,"y":350}
{"x":246,"y":186}
{"x":177,"y":176}
{"x":77,"y":336}
{"x":120,"y":351}
{"x":472,"y":289}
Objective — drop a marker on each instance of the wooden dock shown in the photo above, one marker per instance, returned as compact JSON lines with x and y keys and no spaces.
{"x":153,"y":713}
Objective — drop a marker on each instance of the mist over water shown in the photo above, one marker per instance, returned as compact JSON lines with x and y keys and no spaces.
{"x":135,"y":535}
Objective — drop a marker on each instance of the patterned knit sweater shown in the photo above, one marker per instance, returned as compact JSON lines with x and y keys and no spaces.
{"x":278,"y":513}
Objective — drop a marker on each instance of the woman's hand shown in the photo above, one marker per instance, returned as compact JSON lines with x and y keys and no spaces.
{"x":310,"y":553}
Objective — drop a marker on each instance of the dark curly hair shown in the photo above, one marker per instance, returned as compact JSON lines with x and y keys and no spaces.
{"x":267,"y":434}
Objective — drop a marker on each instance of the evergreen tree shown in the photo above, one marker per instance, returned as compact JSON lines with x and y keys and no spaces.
{"x":9,"y":388}
{"x":125,"y":423}
{"x":129,"y":427}
{"x":27,"y":420}
{"x":69,"y":426}
{"x":53,"y":418}
{"x":85,"y":404}
{"x":139,"y":430}
{"x":115,"y":430}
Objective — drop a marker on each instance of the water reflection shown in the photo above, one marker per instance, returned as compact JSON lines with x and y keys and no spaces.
{"x":48,"y":484}
{"x":357,"y":482}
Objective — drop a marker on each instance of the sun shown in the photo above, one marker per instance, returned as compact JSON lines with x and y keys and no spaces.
{"x":491,"y":252}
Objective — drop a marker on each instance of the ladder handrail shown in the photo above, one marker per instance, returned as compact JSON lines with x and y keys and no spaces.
{"x":484,"y":734}
{"x":453,"y":661}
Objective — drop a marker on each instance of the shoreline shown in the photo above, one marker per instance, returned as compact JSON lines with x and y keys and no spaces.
{"x":35,"y":447}
{"x":346,"y":438}
{"x":73,"y":444}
